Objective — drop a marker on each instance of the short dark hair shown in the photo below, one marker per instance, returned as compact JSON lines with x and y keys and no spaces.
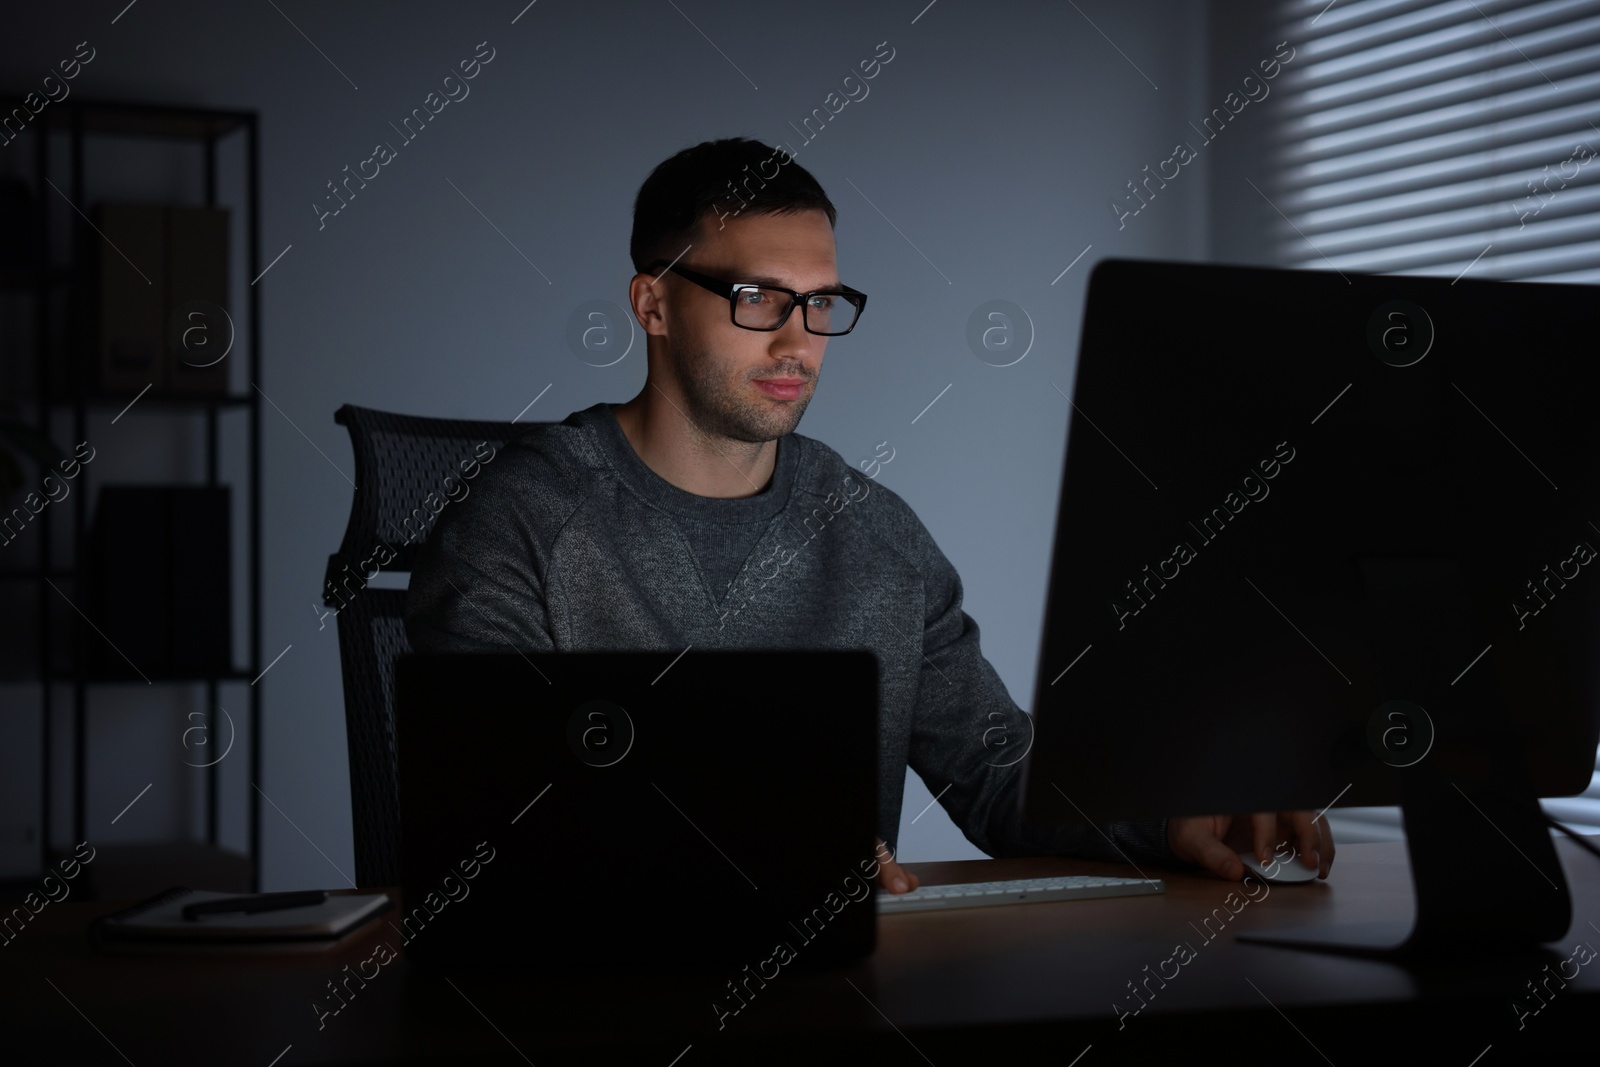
{"x":722,"y":179}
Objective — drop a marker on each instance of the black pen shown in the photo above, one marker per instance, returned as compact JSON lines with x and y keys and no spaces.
{"x":263,"y":902}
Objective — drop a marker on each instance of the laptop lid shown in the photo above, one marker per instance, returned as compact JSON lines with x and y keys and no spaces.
{"x":581,"y":808}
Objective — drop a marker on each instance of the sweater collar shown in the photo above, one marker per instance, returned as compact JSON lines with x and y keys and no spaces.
{"x":619,"y":453}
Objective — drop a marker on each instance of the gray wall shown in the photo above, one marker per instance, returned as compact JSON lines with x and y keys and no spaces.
{"x":994,"y":142}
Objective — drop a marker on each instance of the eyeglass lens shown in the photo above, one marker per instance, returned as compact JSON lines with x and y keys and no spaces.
{"x":764,"y":309}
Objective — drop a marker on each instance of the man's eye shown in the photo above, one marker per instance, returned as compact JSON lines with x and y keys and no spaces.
{"x":824,"y":301}
{"x":752,"y":296}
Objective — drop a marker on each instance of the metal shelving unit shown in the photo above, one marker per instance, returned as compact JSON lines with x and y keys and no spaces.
{"x":77,"y":120}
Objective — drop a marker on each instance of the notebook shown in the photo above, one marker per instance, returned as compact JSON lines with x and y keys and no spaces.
{"x":158,"y":925}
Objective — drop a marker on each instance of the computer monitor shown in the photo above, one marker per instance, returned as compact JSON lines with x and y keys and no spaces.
{"x":1329,"y":539}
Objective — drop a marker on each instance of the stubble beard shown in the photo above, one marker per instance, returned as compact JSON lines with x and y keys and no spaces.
{"x":732,"y":410}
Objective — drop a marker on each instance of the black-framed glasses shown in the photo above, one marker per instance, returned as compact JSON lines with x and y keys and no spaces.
{"x":827,"y":312}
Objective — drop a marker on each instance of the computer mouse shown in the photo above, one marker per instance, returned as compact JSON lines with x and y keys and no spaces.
{"x":1279,"y":872}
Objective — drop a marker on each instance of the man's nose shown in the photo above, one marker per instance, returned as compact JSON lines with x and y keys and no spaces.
{"x":792,"y":337}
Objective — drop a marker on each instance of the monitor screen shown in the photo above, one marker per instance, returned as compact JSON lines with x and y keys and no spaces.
{"x":1315,"y":528}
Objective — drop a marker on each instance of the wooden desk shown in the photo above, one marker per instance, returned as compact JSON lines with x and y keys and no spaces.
{"x":956,"y":987}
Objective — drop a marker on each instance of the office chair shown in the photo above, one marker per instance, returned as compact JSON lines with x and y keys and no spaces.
{"x":400,"y":459}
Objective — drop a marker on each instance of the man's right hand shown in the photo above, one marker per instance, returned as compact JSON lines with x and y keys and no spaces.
{"x":892,"y":877}
{"x":1214,"y":841}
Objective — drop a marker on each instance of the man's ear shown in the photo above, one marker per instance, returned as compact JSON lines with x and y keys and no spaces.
{"x":647,"y":295}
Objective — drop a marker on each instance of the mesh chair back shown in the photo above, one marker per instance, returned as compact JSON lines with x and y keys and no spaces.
{"x":400,"y":461}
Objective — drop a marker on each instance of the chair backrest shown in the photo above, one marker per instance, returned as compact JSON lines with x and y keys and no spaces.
{"x":400,"y":461}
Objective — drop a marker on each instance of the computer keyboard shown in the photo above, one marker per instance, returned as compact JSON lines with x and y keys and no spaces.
{"x":1015,"y":891}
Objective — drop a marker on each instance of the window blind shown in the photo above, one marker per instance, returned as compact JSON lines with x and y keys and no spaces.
{"x":1429,"y":137}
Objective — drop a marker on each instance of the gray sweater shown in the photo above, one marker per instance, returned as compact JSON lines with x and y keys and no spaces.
{"x":568,"y":541}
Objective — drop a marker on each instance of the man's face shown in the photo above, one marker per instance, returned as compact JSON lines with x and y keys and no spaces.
{"x":718,"y":366}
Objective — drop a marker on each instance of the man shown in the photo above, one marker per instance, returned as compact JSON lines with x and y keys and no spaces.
{"x":694,"y":515}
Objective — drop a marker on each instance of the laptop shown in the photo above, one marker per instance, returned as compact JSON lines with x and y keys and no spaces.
{"x":590,"y":809}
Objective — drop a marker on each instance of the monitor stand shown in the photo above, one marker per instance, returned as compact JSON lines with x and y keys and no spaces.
{"x":1483,"y":865}
{"x":1484,"y":869}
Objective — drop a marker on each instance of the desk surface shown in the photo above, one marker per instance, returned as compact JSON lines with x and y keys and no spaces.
{"x":960,"y":986}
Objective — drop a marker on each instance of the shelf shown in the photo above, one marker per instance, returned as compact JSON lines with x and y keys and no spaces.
{"x":33,"y":574}
{"x":136,"y":871}
{"x":230,"y":675}
{"x":33,"y":278}
{"x":162,"y":400}
{"x":165,"y":401}
{"x":143,"y":120}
